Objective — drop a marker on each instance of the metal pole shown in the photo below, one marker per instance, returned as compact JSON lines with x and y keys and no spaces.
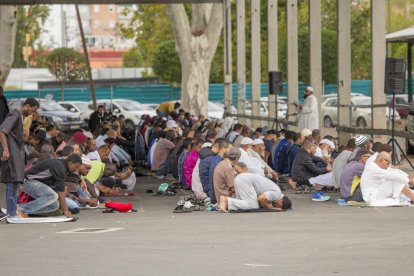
{"x":389,"y":46}
{"x":392,"y":130}
{"x":27,"y":54}
{"x":255,"y":60}
{"x":409,"y":68}
{"x":292,"y":55}
{"x":112,"y":96}
{"x":273,"y":60}
{"x":241,"y":58}
{"x":228,"y":79}
{"x":85,"y":51}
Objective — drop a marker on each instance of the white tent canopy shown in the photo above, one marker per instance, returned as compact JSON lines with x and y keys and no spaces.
{"x":404,"y":35}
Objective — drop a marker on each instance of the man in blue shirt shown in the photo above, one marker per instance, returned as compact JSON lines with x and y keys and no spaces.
{"x":280,"y":157}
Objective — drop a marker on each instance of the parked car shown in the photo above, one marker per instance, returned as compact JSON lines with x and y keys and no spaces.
{"x":361,"y":116}
{"x":400,"y":100}
{"x":264,"y":110}
{"x":335,"y":95}
{"x":82,"y":108}
{"x":132,"y":110}
{"x":62,"y":119}
{"x":216,"y":110}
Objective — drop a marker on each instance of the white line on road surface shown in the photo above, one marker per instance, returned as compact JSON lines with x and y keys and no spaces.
{"x":89,"y":231}
{"x":259,"y":265}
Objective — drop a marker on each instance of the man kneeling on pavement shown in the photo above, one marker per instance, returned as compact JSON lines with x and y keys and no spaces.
{"x":254,"y":191}
{"x":45,"y":183}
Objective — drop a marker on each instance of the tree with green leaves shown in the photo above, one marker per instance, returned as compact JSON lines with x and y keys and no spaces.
{"x":67,"y":65}
{"x":132,"y":58}
{"x":149,"y":26}
{"x":28,"y":22}
{"x":166,"y":63}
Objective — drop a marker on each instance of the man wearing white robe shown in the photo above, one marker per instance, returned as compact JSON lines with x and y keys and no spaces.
{"x":385,"y":186}
{"x":257,"y":151}
{"x":308,"y":111}
{"x":253,"y":164}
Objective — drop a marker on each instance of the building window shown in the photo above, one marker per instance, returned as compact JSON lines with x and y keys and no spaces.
{"x":111,"y":24}
{"x":97,"y":24}
{"x":111,"y":8}
{"x":96,"y":8}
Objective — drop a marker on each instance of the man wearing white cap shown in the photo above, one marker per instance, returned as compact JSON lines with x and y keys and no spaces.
{"x":308,"y":111}
{"x":253,"y":165}
{"x":258,"y":151}
{"x":306,"y":133}
{"x":326,"y":148}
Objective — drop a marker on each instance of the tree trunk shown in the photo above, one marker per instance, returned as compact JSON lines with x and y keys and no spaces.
{"x":8,"y":23}
{"x":196,"y":46}
{"x":195,"y":79}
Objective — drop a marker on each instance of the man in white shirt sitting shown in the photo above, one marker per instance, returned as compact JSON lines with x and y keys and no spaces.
{"x":253,"y":164}
{"x":258,"y":151}
{"x":385,"y":186}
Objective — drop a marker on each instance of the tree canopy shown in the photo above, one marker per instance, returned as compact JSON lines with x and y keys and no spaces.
{"x":148,"y":18}
{"x":132,"y":58}
{"x":67,"y":65}
{"x":29,"y":22}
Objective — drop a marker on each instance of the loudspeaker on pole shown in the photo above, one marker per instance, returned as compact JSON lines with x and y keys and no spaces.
{"x":275,"y":82}
{"x":394,"y":81}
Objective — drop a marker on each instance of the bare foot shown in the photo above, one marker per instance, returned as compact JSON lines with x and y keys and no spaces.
{"x":223,"y":204}
{"x":292,"y":183}
{"x":20,"y":214}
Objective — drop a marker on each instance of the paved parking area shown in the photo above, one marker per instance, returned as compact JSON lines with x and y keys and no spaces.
{"x":313,"y":239}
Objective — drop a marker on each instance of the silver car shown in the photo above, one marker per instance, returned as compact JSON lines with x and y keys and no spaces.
{"x":361,"y":116}
{"x":83,"y":109}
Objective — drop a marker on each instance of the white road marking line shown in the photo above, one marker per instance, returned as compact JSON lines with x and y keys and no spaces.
{"x":258,"y":265}
{"x":84,"y":231}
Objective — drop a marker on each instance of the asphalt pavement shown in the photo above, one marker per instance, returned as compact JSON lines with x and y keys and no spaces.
{"x":315,"y":238}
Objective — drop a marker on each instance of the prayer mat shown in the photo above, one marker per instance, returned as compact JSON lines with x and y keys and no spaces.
{"x":342,"y":202}
{"x":120,"y":194}
{"x":39,"y":220}
{"x":254,"y":210}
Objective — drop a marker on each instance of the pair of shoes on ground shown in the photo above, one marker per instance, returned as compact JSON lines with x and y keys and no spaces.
{"x":304,"y":190}
{"x":3,"y":216}
{"x":320,"y":196}
{"x":187,"y":205}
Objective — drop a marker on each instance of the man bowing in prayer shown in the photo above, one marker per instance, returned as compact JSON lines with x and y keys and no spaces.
{"x":308,"y":111}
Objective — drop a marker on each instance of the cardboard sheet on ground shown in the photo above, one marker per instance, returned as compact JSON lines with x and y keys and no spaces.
{"x":39,"y":220}
{"x":254,"y":210}
{"x":92,"y":208}
{"x":120,"y":194}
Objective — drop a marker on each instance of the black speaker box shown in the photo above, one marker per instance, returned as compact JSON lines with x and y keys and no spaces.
{"x":394,"y":80}
{"x":275,"y":82}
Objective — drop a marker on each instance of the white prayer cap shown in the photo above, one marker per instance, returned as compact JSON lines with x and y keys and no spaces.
{"x":327,"y":142}
{"x":257,"y":141}
{"x":246,"y":141}
{"x":309,"y":88}
{"x":86,"y":161}
{"x":306,"y":132}
{"x":171,"y":124}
